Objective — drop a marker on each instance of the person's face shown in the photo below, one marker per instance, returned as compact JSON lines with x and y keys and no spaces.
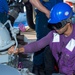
{"x":62,"y":30}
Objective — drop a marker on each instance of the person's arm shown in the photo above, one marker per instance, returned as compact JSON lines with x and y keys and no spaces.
{"x":40,"y":7}
{"x":38,"y":45}
{"x":32,"y":47}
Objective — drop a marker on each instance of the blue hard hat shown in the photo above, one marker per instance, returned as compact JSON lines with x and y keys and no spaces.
{"x":59,"y":12}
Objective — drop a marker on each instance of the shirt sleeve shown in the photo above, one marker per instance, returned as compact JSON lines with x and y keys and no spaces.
{"x":37,"y":45}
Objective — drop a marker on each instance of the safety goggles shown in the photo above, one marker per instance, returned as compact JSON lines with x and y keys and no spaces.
{"x":58,"y":25}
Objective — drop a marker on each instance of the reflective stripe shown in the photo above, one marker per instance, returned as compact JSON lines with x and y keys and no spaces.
{"x":71,"y":44}
{"x":56,"y":37}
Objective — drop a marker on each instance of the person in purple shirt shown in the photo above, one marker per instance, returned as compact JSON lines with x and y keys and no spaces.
{"x":61,"y":40}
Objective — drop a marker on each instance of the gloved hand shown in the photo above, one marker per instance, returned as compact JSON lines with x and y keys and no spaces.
{"x":12,"y":50}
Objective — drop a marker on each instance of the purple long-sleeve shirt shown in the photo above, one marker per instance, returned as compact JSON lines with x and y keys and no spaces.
{"x":63,"y":49}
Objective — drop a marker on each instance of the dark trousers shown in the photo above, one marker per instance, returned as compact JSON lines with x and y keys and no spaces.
{"x":3,"y":17}
{"x":50,"y":62}
{"x":41,"y":31}
{"x":48,"y":65}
